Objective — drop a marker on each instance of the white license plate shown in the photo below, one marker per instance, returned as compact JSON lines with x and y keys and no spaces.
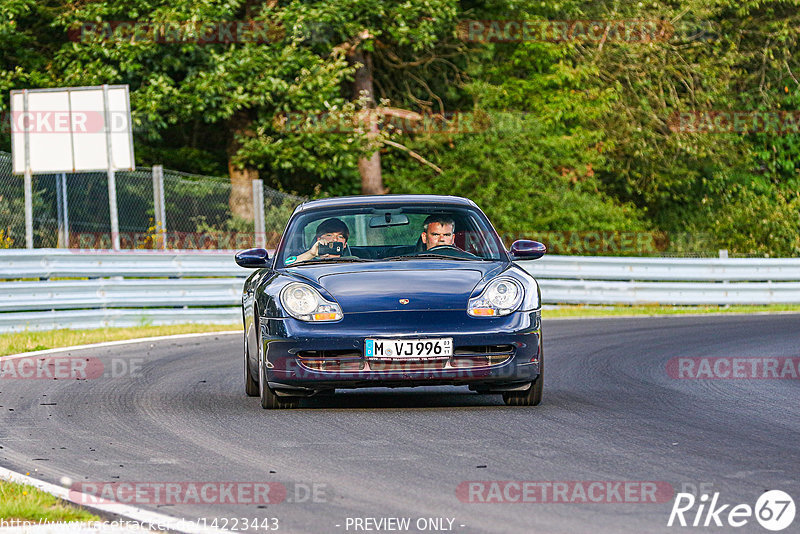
{"x":409,"y":348}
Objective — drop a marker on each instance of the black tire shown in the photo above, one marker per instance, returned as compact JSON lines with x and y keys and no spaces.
{"x":250,"y":383}
{"x":531,"y":396}
{"x":269,"y":400}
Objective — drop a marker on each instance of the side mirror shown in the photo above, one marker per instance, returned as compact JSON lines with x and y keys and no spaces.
{"x":527,"y":250}
{"x":252,"y":258}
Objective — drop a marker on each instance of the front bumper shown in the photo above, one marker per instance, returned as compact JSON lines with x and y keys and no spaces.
{"x":490,"y":354}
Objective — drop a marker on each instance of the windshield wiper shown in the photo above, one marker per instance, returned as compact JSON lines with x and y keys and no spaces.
{"x":330,"y":260}
{"x":430,"y":255}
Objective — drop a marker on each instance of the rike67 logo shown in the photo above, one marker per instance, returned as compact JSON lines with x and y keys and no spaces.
{"x":774,"y":510}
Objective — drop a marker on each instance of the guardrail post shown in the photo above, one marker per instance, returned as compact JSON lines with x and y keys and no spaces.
{"x":723,"y":254}
{"x":159,"y":208}
{"x":258,"y":213}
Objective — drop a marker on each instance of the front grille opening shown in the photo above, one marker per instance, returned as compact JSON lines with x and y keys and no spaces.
{"x":331,"y":360}
{"x":333,"y":365}
{"x":481,"y":355}
{"x":320,"y":354}
{"x":483,"y":350}
{"x":477,"y":361}
{"x":464,"y":357}
{"x":407,"y":365}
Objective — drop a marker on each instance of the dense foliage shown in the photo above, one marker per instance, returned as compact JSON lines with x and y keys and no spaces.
{"x":577,"y":135}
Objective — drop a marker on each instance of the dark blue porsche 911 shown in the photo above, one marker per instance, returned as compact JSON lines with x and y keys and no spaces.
{"x":391,"y":291}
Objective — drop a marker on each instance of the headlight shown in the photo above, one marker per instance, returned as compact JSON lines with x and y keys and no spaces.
{"x":303,"y":302}
{"x":500,"y":297}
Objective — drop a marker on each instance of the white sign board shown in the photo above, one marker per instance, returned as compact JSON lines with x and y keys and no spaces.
{"x":71,"y":129}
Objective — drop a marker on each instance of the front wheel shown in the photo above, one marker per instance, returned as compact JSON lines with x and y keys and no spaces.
{"x":250,"y":383}
{"x":269,"y":400}
{"x":531,"y":396}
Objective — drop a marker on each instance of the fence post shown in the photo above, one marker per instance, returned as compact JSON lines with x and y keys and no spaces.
{"x":112,"y":179}
{"x":61,"y":210}
{"x":66,"y":209}
{"x":258,"y":213}
{"x":28,"y":182}
{"x":28,"y":207}
{"x":159,"y":208}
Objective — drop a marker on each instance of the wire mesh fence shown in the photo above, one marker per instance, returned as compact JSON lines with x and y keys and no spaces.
{"x":12,"y":206}
{"x":197,"y":215}
{"x":75,"y":213}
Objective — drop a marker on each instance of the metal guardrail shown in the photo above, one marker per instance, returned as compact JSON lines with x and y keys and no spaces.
{"x":668,"y":281}
{"x":146,"y":287}
{"x":669,"y":293}
{"x":665,"y":269}
{"x":55,"y":263}
{"x":110,"y":293}
{"x":117,"y":289}
{"x":57,"y":319}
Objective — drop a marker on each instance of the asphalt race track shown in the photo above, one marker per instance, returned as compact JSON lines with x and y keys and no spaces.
{"x":611,"y":413}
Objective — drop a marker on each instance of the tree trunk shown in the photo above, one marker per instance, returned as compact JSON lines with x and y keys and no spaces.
{"x":241,"y":198}
{"x":368,"y":166}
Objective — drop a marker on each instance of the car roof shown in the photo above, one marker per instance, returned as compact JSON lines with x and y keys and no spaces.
{"x":379,"y":200}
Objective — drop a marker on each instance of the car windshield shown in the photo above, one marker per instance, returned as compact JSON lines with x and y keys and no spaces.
{"x":389,"y":233}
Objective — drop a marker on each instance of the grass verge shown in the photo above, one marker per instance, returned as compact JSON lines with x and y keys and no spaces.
{"x":51,"y":339}
{"x":611,"y":311}
{"x":26,"y":503}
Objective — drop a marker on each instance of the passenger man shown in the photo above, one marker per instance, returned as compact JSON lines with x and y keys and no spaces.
{"x":329,"y":231}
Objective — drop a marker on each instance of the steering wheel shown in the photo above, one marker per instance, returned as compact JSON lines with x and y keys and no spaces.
{"x":461,"y":253}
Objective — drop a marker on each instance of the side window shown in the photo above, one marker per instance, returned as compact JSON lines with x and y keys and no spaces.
{"x":415,"y":229}
{"x":474,"y":239}
{"x":356,"y":225}
{"x":296,"y":243}
{"x":308,"y":235}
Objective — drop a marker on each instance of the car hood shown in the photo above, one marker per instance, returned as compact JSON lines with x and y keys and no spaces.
{"x":426,"y":285}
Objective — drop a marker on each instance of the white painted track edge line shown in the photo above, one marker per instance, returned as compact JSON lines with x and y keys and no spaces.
{"x":118,"y":509}
{"x":119,"y":342}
